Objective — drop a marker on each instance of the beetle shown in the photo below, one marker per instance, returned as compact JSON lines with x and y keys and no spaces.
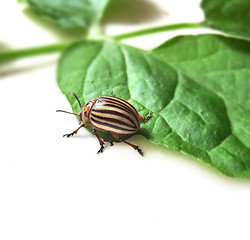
{"x":109,"y":114}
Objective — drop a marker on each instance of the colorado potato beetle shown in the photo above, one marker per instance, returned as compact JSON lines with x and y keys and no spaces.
{"x":109,"y":114}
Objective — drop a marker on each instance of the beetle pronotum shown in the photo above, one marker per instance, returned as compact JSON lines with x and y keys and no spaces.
{"x":109,"y":114}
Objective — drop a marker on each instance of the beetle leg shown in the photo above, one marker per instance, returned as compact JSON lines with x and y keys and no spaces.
{"x":100,"y":141}
{"x":145,"y":118}
{"x":75,"y":132}
{"x":130,"y":144}
{"x":109,"y":141}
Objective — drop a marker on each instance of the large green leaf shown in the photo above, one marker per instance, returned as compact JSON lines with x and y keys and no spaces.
{"x":200,"y":104}
{"x":70,"y":14}
{"x":231,"y":16}
{"x":220,"y":65}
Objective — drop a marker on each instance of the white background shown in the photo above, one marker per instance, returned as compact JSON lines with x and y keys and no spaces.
{"x":59,"y":188}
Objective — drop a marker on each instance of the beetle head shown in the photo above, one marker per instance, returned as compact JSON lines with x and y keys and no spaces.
{"x":85,"y":111}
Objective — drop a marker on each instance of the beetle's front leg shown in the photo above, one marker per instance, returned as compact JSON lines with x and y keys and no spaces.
{"x":145,"y":118}
{"x":75,"y":132}
{"x":100,"y":141}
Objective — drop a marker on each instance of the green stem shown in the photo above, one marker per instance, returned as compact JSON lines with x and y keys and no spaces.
{"x":157,"y":30}
{"x":6,"y":56}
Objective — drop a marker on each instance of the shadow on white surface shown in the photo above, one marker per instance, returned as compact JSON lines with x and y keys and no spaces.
{"x":133,"y":12}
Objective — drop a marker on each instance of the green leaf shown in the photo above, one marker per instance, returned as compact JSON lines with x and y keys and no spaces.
{"x":231,"y":16}
{"x":222,"y":66}
{"x":195,"y":87}
{"x":70,"y":14}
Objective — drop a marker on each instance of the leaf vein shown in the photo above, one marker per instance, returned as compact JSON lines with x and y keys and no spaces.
{"x":89,"y":68}
{"x":126,"y":69}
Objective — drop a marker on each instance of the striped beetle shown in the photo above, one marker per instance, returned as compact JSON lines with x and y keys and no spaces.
{"x":109,"y":114}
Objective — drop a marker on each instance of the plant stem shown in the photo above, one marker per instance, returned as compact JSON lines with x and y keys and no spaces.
{"x":6,"y":56}
{"x":158,"y":29}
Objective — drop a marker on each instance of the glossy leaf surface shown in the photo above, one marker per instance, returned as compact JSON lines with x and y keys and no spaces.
{"x":195,"y":86}
{"x":231,"y":16}
{"x":70,"y":14}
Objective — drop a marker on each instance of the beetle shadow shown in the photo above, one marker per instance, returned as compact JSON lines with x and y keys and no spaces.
{"x":149,"y":147}
{"x":132,"y":12}
{"x":144,"y":132}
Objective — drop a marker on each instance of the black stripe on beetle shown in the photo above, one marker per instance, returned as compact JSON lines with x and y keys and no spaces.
{"x":102,"y":104}
{"x":117,"y":108}
{"x":111,"y":127}
{"x":109,"y":114}
{"x":113,"y":120}
{"x":113,"y":113}
{"x":121,"y":102}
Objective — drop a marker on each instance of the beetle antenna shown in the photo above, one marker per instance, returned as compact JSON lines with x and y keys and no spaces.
{"x":67,"y":112}
{"x":77,"y":99}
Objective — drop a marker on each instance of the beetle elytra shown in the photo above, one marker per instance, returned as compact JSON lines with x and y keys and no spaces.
{"x":109,"y":114}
